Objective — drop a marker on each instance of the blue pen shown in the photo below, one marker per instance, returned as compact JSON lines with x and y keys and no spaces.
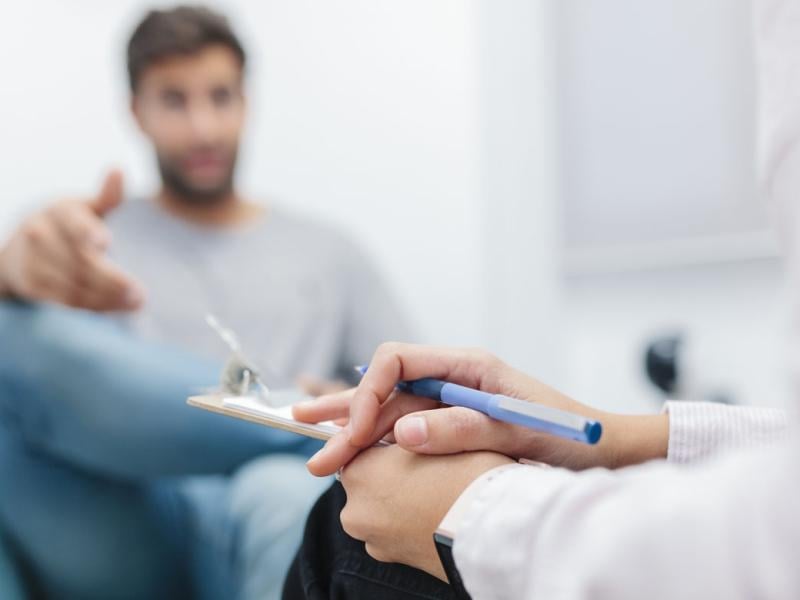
{"x":503,"y":408}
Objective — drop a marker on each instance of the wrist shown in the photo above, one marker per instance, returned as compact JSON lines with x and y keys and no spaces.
{"x":634,"y":439}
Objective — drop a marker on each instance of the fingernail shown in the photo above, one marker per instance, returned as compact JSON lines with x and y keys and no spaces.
{"x":412,"y":431}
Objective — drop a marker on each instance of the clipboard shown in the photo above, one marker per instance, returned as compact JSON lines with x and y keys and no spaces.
{"x":255,"y":410}
{"x":243,"y":395}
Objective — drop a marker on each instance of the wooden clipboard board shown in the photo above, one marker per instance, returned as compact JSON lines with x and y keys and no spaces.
{"x":255,"y":411}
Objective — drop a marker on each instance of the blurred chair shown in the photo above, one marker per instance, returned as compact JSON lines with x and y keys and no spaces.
{"x":673,"y":366}
{"x":661,"y":362}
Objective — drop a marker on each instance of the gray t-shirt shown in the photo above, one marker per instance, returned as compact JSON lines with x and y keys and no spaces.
{"x":301,"y":297}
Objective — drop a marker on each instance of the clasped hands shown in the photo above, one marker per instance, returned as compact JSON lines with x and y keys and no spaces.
{"x":398,"y":495}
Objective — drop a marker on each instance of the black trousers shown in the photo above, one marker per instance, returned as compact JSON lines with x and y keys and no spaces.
{"x":331,"y":565}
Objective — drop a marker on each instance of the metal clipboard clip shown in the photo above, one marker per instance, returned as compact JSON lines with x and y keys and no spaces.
{"x":239,"y":376}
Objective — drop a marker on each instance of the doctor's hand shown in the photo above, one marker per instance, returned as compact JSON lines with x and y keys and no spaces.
{"x":396,"y":500}
{"x":58,"y":255}
{"x":376,"y":410}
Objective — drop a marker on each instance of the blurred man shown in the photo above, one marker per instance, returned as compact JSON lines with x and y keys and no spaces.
{"x":94,"y":432}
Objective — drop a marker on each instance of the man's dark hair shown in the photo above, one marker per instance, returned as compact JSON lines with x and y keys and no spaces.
{"x":182,"y":30}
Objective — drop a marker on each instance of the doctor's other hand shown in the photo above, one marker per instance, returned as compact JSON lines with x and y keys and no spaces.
{"x":376,"y":410}
{"x":396,"y":500}
{"x":59,"y":255}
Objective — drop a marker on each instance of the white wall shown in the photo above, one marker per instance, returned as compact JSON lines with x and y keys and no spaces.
{"x":667,"y":88}
{"x":368,"y":117}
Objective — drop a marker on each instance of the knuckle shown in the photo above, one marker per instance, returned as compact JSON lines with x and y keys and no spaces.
{"x":88,"y":226}
{"x":388,"y":349}
{"x":64,"y":205}
{"x":488,"y":367}
{"x":485,"y":357}
{"x":348,"y":522}
{"x":67,"y":210}
{"x":355,"y":475}
{"x":34,"y":232}
{"x":81,"y":276}
{"x":71,"y":214}
{"x":345,"y":477}
{"x":84,"y":261}
{"x":79,"y":229}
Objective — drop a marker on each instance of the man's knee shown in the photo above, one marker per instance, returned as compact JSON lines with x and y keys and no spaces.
{"x":75,"y":357}
{"x":44,"y":337}
{"x":50,"y":349}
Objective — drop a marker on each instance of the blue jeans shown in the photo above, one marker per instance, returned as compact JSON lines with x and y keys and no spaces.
{"x":10,"y":583}
{"x":112,"y":487}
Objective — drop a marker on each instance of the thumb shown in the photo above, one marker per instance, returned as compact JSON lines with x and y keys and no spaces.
{"x":110,"y":195}
{"x":451,"y":430}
